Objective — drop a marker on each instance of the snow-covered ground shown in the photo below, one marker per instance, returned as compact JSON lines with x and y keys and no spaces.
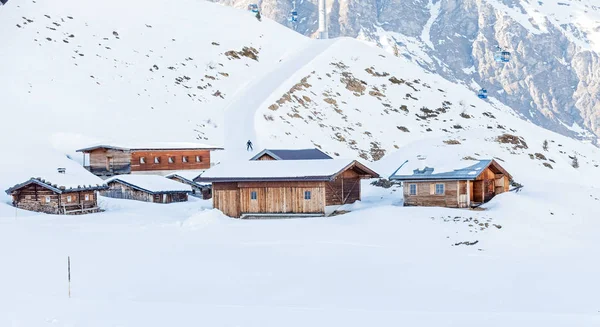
{"x":527,"y":260}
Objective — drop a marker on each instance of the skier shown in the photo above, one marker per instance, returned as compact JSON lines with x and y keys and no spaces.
{"x":249,"y":146}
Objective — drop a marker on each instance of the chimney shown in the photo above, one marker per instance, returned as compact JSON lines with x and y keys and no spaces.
{"x":61,"y":170}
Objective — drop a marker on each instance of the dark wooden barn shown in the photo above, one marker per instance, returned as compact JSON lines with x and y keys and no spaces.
{"x":199,"y":190}
{"x":42,"y":195}
{"x":146,"y":188}
{"x":286,"y":187}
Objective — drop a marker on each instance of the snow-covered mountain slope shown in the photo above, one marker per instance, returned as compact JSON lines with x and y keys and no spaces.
{"x":523,"y":261}
{"x":551,"y":79}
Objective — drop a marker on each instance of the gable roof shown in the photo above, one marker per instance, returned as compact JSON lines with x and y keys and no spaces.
{"x":293,"y":154}
{"x":57,"y":188}
{"x":153,"y":146}
{"x":282,"y":170}
{"x":152,"y":184}
{"x":187,"y":177}
{"x":427,"y":173}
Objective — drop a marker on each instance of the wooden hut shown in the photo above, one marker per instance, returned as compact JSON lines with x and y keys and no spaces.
{"x":458,"y":188}
{"x":291,"y":154}
{"x":147,"y":188}
{"x":286,"y":187}
{"x":199,"y":190}
{"x":58,"y":195}
{"x":158,"y":159}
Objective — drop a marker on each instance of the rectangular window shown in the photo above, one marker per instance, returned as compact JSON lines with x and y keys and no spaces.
{"x":439,"y":189}
{"x":412,"y":189}
{"x":156,"y":160}
{"x":69,"y":198}
{"x":87,"y":197}
{"x":142,"y":160}
{"x":306,"y":195}
{"x":184,"y":159}
{"x":253,"y":195}
{"x":48,"y":199}
{"x":198,"y":159}
{"x":171,"y":160}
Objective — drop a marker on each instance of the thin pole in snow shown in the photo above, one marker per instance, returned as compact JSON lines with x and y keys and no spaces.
{"x":69,"y":273}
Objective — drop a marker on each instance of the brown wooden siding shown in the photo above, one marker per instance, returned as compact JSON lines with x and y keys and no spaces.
{"x":121,"y":191}
{"x":109,"y":161}
{"x":426,"y":194}
{"x":164,"y":164}
{"x":234,"y":199}
{"x":33,"y":198}
{"x":201,"y":192}
{"x":345,"y":189}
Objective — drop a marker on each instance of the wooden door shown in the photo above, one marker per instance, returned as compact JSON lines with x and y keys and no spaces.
{"x":478,"y":191}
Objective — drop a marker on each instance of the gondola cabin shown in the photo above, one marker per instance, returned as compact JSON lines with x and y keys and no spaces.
{"x":285,"y":188}
{"x":469,"y":186}
{"x":482,"y":94}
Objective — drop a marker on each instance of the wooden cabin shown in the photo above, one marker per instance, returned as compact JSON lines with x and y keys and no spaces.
{"x":43,"y":195}
{"x":199,"y":190}
{"x":285,"y":187}
{"x":146,"y":188}
{"x":460,"y":188}
{"x":160,"y":159}
{"x":291,"y":154}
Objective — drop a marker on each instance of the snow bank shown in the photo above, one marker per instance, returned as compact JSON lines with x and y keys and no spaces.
{"x":151,"y":183}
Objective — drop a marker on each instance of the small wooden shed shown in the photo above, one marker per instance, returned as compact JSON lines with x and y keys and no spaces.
{"x":291,"y":154}
{"x":43,"y":195}
{"x":285,"y":188}
{"x":199,"y":190}
{"x":147,"y":188}
{"x":465,"y":187}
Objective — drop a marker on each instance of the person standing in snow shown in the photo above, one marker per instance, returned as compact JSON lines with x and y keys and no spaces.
{"x":249,"y":146}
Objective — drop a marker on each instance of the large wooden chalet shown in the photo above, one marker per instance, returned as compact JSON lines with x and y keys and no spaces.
{"x":291,"y":154}
{"x":57,"y":194}
{"x":161,"y":159}
{"x":146,"y":188}
{"x":465,"y":187}
{"x":285,"y":187}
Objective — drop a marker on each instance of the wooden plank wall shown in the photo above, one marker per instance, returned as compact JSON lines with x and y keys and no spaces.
{"x":282,"y":197}
{"x":120,"y":191}
{"x":33,"y":198}
{"x":234,"y":199}
{"x":426,"y":194}
{"x":99,"y":158}
{"x":345,"y":189}
{"x":226,"y":197}
{"x":164,"y":156}
{"x":265,"y":157}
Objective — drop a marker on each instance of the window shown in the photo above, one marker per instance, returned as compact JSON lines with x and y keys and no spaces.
{"x":306,"y":195}
{"x":198,"y":159}
{"x":253,"y":195}
{"x":171,"y":160}
{"x":142,"y":160}
{"x":184,"y":159}
{"x":69,"y":199}
{"x":412,"y":189}
{"x":47,"y":199}
{"x":439,"y":189}
{"x":87,"y":197}
{"x":156,"y":160}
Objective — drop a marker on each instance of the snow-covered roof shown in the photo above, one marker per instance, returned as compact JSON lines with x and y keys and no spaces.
{"x":61,"y":183}
{"x":153,"y":146}
{"x":187,"y":176}
{"x":153,"y":184}
{"x":282,"y":170}
{"x":293,"y":154}
{"x":417,"y":170}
